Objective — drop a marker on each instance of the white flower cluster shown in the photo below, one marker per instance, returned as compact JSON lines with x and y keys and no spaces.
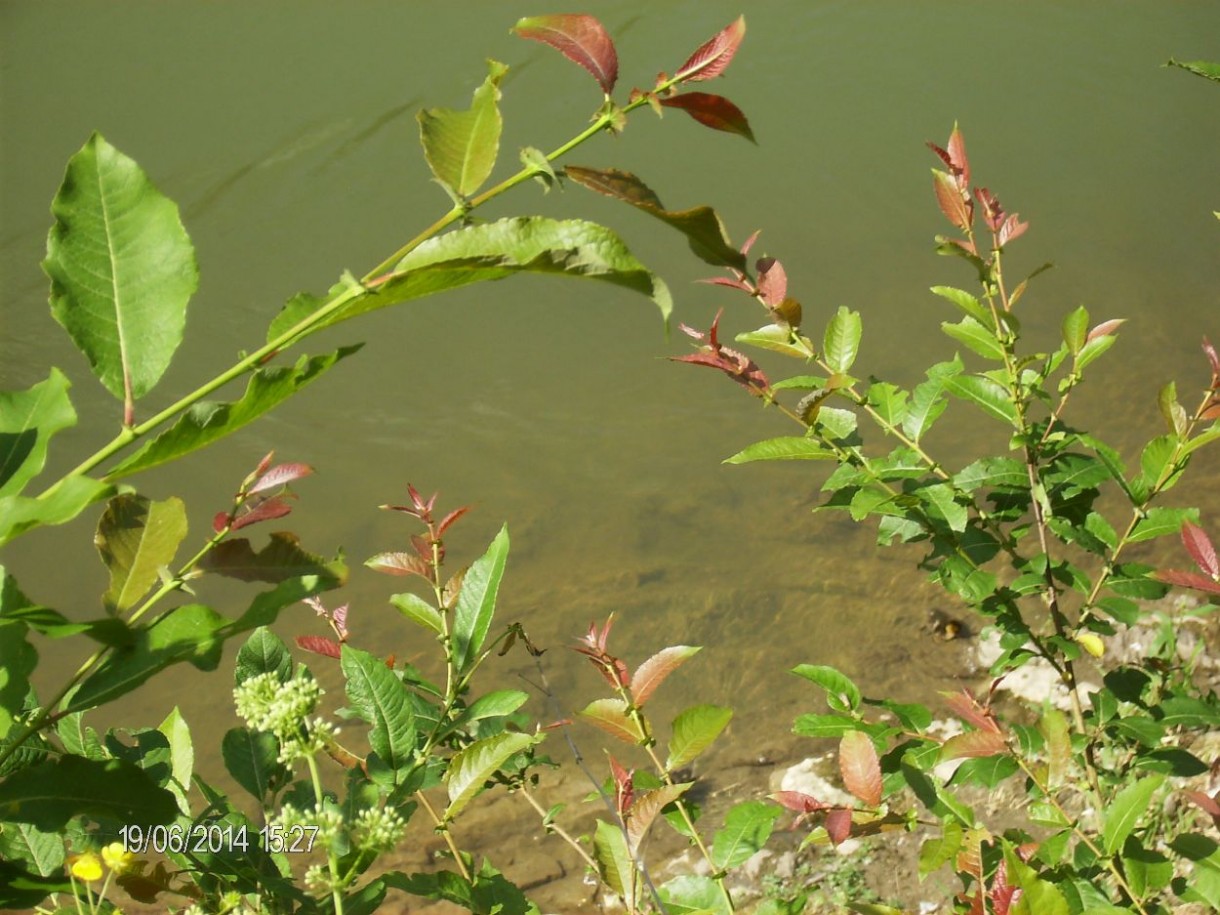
{"x":283,"y":709}
{"x":328,"y":820}
{"x":378,"y":829}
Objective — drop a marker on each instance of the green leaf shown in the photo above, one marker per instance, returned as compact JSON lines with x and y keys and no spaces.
{"x":51,"y":793}
{"x":889,"y":401}
{"x":209,"y":421}
{"x":747,"y":827}
{"x":995,"y":472}
{"x":778,"y":339}
{"x":1203,"y":68}
{"x":380,"y":698}
{"x":822,"y":725}
{"x":937,"y":851}
{"x":785,"y":448}
{"x":987,"y":394}
{"x":977,"y":337}
{"x":702,"y":226}
{"x":614,"y":864}
{"x":476,"y":602}
{"x":842,"y":694}
{"x":181,"y":754}
{"x":252,"y":758}
{"x":1093,"y":349}
{"x":461,"y":146}
{"x":928,"y":399}
{"x":122,"y":269}
{"x":263,"y":653}
{"x":191,"y":633}
{"x":492,"y":251}
{"x":493,"y":705}
{"x":136,"y":539}
{"x":1124,"y":811}
{"x":28,"y":419}
{"x":940,"y":498}
{"x":471,"y":767}
{"x":841,"y":341}
{"x":1076,"y":329}
{"x":1158,"y":522}
{"x":691,"y":894}
{"x":693,"y":731}
{"x":966,"y":302}
{"x":37,"y":851}
{"x":17,"y":661}
{"x":418,"y":610}
{"x":58,"y":505}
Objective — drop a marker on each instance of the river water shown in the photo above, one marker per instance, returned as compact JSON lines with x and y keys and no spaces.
{"x":286,"y":132}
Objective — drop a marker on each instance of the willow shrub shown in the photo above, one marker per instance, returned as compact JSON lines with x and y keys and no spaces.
{"x":80,"y":810}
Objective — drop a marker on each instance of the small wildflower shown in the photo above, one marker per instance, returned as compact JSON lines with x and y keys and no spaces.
{"x":316,"y":878}
{"x":87,"y":867}
{"x":281,"y":708}
{"x":116,"y":857}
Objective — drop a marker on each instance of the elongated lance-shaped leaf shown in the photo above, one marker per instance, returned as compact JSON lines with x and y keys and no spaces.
{"x":614,"y":862}
{"x":461,"y":146}
{"x":33,"y":848}
{"x":860,"y":767}
{"x":611,"y":716}
{"x":59,"y":506}
{"x":702,"y":226}
{"x":472,"y":767}
{"x":785,"y":448}
{"x":476,"y":602}
{"x":51,"y":793}
{"x":714,"y":111}
{"x":713,"y":57}
{"x":644,"y":811}
{"x":252,"y":758}
{"x":578,"y":37}
{"x":192,"y":633}
{"x":28,"y":419}
{"x":136,"y":538}
{"x":122,"y":269}
{"x":652,"y":673}
{"x":493,"y":251}
{"x":1125,"y":809}
{"x":1204,"y":68}
{"x":207,"y":421}
{"x":380,"y":698}
{"x":693,"y":732}
{"x":841,"y":341}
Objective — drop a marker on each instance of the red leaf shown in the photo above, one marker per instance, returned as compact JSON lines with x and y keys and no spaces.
{"x":966,"y":707}
{"x":280,"y":475}
{"x":450,"y":518}
{"x":1187,"y":580}
{"x":1012,"y":229}
{"x":745,"y":249}
{"x":1200,"y":548}
{"x":624,"y":790}
{"x":838,"y":824}
{"x":772,"y":281}
{"x":399,"y":564}
{"x":578,"y":37}
{"x":713,"y":57}
{"x":957,"y":156}
{"x":1214,"y":359}
{"x":219,"y":521}
{"x":957,"y":209}
{"x":714,"y":111}
{"x":1002,"y":894}
{"x":1105,"y":327}
{"x":860,"y":767}
{"x":726,"y":281}
{"x":798,"y":801}
{"x":974,"y":744}
{"x":264,"y":511}
{"x":652,"y":673}
{"x":1207,"y":804}
{"x":319,"y":645}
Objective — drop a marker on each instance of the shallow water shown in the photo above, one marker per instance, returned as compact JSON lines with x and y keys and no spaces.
{"x":286,"y":133}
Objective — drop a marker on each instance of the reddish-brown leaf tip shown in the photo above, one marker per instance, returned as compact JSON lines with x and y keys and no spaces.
{"x":578,"y":37}
{"x":1199,"y":545}
{"x":860,"y":767}
{"x":714,"y":111}
{"x":713,"y":57}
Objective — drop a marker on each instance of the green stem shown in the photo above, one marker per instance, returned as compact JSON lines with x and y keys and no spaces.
{"x":332,"y":860}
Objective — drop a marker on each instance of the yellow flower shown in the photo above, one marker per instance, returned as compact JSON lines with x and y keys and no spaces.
{"x":118,"y":858}
{"x":87,"y":867}
{"x":1091,"y":643}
